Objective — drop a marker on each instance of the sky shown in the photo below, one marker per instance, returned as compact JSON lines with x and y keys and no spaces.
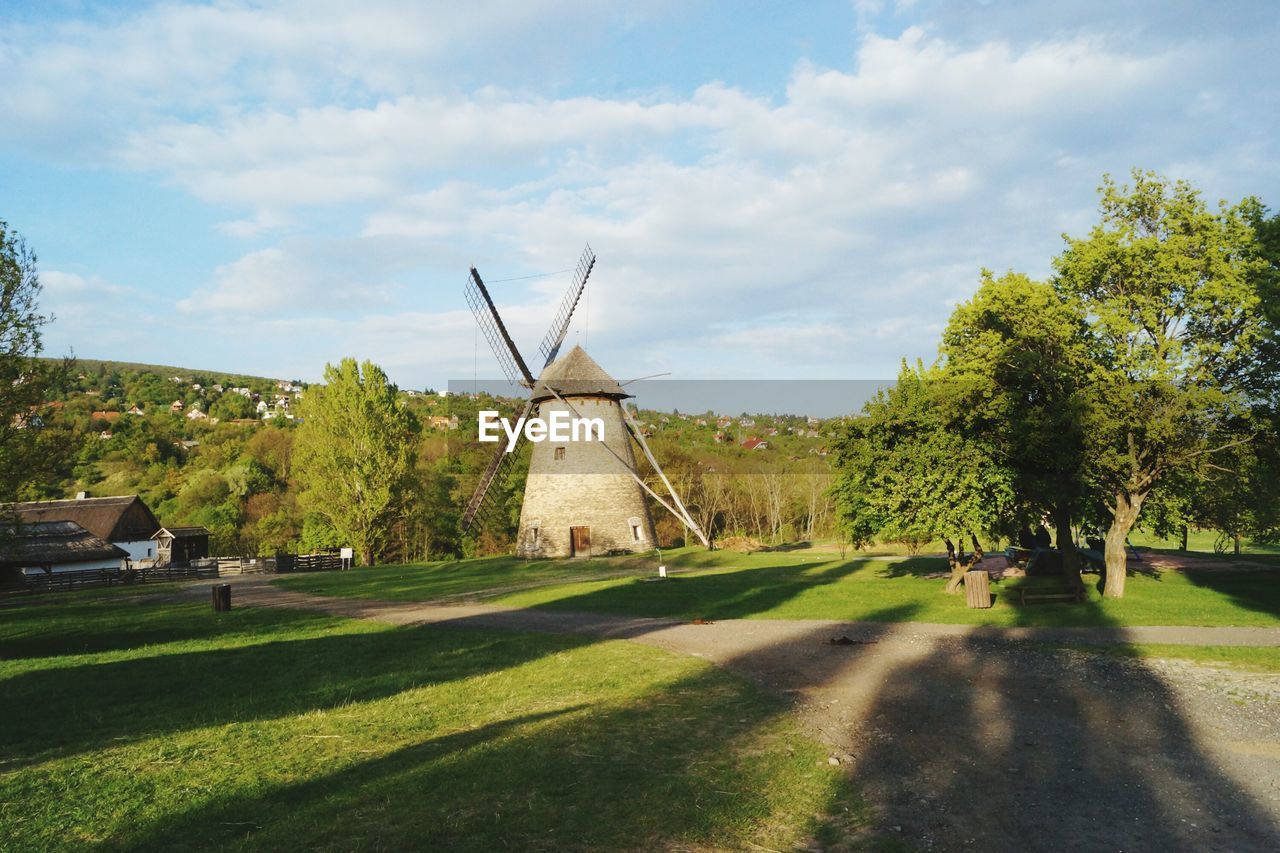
{"x":774,"y":191}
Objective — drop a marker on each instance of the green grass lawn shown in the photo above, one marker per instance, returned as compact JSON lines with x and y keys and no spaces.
{"x":135,"y":721}
{"x":801,"y":585}
{"x":1200,"y":543}
{"x":1255,"y":658}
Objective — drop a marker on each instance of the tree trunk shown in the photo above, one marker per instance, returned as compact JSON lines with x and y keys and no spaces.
{"x":1067,"y":548}
{"x":1126,"y":514}
{"x":959,"y":564}
{"x":1236,"y":538}
{"x":958,"y":568}
{"x":1184,"y":538}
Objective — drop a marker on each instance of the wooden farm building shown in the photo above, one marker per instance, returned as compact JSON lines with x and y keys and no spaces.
{"x":49,"y":547}
{"x":124,"y":521}
{"x":178,"y":546}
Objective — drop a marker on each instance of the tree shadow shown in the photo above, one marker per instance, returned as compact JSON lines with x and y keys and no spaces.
{"x":730,"y":594}
{"x":960,"y":741}
{"x":980,"y":744}
{"x":76,"y":625}
{"x":916,"y":567}
{"x":1257,"y":590}
{"x":967,"y":742}
{"x":658,"y":773}
{"x":58,"y":711}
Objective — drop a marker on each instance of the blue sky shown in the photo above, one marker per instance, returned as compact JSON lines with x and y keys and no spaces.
{"x":773,"y":192}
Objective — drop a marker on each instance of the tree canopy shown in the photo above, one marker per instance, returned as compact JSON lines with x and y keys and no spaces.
{"x":353,"y":456}
{"x":29,"y":447}
{"x":1148,"y":362}
{"x":909,"y":472}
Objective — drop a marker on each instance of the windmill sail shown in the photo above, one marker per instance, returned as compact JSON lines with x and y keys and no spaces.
{"x":491,"y":481}
{"x":550,"y":346}
{"x":509,"y":358}
{"x":495,"y":331}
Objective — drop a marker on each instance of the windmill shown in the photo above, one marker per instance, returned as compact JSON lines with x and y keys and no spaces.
{"x":583,"y":497}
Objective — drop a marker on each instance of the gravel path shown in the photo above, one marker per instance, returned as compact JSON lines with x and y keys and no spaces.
{"x":968,"y":738}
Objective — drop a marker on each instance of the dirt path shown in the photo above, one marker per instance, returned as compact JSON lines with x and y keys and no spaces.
{"x":965,"y":738}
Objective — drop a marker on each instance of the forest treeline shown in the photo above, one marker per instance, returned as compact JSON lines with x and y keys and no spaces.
{"x":241,"y":477}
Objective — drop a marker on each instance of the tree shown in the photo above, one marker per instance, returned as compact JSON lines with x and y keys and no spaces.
{"x":1020,"y":353}
{"x":29,"y":446}
{"x":230,"y":407}
{"x":354,"y":453}
{"x":906,"y":471}
{"x":1172,"y":294}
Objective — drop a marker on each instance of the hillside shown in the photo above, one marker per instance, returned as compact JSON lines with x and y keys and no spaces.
{"x":215,"y":449}
{"x":100,"y":366}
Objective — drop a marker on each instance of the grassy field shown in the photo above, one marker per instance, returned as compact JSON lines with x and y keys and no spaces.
{"x":1255,"y":658}
{"x":142,"y":721}
{"x":802,"y":585}
{"x":1200,"y":542}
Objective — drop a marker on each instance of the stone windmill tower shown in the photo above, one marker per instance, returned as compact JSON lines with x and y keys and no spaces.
{"x":584,"y":497}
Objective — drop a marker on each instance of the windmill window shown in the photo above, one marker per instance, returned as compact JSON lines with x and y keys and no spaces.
{"x":533,"y":537}
{"x":559,"y":453}
{"x":635,"y":532}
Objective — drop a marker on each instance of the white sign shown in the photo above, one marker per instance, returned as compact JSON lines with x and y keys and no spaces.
{"x":560,"y":427}
{"x":347,"y":553}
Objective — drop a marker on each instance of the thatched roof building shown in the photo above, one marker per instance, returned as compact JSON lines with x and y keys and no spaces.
{"x":54,"y":545}
{"x":115,"y":519}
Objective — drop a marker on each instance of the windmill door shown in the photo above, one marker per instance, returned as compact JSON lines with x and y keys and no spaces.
{"x":580,"y":540}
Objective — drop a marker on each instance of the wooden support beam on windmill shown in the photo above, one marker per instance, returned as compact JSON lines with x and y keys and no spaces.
{"x":580,"y":498}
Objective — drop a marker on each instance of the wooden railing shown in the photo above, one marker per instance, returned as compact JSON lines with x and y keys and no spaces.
{"x":210,"y":567}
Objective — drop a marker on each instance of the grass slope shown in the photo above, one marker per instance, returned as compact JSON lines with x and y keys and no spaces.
{"x":796,"y":585}
{"x":132,"y":721}
{"x":107,"y":365}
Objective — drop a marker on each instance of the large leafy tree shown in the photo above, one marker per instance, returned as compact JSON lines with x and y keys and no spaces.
{"x":1171,"y":291}
{"x":354,"y":455}
{"x":1020,"y":354}
{"x":30,"y":447}
{"x":906,"y":471}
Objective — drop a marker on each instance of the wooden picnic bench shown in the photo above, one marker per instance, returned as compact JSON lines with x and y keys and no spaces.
{"x":1031,"y":595}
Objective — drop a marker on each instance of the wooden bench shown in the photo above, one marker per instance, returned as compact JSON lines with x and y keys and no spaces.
{"x":1030,"y":595}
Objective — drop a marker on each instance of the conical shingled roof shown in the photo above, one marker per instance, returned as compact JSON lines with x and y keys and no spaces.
{"x":576,"y":374}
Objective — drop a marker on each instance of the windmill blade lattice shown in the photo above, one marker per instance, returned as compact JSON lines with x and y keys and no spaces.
{"x":495,"y":474}
{"x":550,"y":346}
{"x":495,"y":331}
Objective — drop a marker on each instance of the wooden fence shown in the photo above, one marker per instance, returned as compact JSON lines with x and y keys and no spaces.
{"x":325,"y":561}
{"x":212,"y":567}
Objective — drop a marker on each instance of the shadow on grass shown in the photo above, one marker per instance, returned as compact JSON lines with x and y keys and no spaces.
{"x":916,"y":567}
{"x":58,"y":711}
{"x":682,"y":766}
{"x":77,"y":623}
{"x":961,"y":742}
{"x":729,"y":594}
{"x":1257,"y":590}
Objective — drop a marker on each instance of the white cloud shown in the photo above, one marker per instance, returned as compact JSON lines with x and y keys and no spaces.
{"x":868,"y":197}
{"x":301,"y":278}
{"x":87,"y":308}
{"x":827,"y":230}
